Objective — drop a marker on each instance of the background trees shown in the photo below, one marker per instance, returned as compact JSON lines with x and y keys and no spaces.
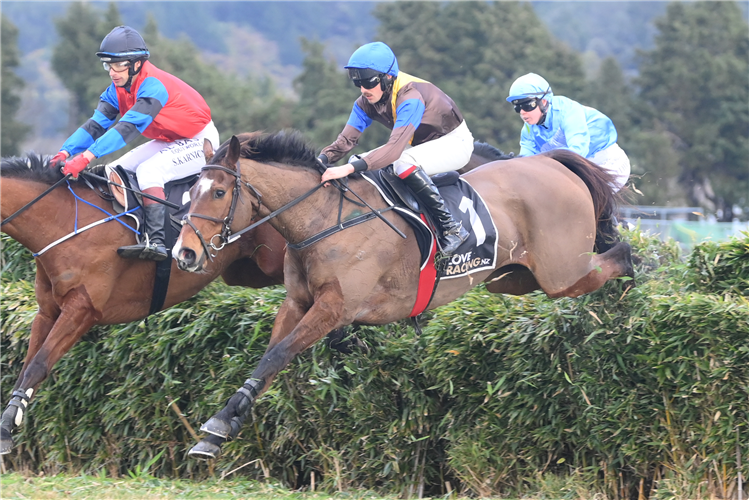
{"x":681,"y":107}
{"x":694,"y":87}
{"x":13,"y":132}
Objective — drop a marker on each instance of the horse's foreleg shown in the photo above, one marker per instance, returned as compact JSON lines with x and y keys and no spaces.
{"x":614,"y":263}
{"x":43,"y":321}
{"x":76,"y":318}
{"x":306,"y":329}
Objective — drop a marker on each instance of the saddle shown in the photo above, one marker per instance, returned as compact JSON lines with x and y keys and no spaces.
{"x":127,"y":201}
{"x":462,"y":201}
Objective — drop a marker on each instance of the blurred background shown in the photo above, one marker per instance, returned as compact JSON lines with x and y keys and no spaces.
{"x":673,"y":77}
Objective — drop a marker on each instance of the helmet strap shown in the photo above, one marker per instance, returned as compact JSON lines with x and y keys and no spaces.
{"x":543,"y":107}
{"x":131,"y":71}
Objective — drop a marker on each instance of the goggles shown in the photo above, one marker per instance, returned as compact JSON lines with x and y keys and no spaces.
{"x":368,"y":84}
{"x":528,"y":105}
{"x":118,"y":67}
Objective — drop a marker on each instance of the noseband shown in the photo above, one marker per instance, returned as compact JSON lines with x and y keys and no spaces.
{"x":224,"y":235}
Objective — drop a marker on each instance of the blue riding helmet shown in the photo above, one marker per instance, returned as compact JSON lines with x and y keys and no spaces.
{"x":123,"y":43}
{"x":373,"y":56}
{"x":530,"y":86}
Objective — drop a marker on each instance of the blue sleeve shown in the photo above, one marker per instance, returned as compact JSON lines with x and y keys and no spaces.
{"x":574,"y":124}
{"x":96,"y":126}
{"x":528,"y":145}
{"x":152,"y":97}
{"x":409,"y":112}
{"x":358,"y":118}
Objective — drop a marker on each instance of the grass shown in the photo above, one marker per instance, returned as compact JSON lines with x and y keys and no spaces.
{"x":17,"y":486}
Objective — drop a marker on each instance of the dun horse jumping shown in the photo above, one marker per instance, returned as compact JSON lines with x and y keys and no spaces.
{"x":546,"y":209}
{"x":82,"y":282}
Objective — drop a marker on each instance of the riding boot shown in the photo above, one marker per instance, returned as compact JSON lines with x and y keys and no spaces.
{"x":152,"y":246}
{"x":453,"y":233}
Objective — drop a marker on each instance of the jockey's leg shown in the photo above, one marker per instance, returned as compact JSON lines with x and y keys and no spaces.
{"x":453,"y":232}
{"x":416,"y":164}
{"x":152,"y":246}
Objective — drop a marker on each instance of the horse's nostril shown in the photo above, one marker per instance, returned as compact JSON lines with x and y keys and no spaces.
{"x":187,"y":257}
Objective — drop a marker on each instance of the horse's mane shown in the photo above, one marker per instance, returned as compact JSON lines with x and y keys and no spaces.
{"x":490,"y":152}
{"x":285,"y":146}
{"x":32,"y":167}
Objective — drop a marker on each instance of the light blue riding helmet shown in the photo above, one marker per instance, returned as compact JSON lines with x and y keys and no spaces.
{"x":375,"y":56}
{"x":530,"y":86}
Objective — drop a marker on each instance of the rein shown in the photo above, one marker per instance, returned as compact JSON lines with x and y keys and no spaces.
{"x":226,"y":236}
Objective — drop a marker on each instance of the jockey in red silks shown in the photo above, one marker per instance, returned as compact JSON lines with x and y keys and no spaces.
{"x":429,"y":134}
{"x":152,"y":103}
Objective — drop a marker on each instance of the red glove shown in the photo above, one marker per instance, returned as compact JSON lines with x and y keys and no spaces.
{"x":58,"y":158}
{"x":76,"y":166}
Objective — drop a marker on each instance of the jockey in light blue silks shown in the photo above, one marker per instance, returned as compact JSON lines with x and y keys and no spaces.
{"x":554,"y":122}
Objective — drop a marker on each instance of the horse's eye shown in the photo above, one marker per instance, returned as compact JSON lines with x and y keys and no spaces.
{"x":219,"y":193}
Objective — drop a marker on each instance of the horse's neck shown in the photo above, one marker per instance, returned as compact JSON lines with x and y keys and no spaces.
{"x":282,"y":185}
{"x":40,"y":223}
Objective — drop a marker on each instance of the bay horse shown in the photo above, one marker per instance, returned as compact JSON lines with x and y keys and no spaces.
{"x":545,"y":207}
{"x":82,"y":282}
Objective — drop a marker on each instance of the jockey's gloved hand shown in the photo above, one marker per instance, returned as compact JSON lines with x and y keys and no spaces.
{"x":76,"y":166}
{"x":58,"y":158}
{"x":323,"y":160}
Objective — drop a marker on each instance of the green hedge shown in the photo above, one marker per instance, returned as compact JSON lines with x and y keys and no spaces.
{"x":647,"y":388}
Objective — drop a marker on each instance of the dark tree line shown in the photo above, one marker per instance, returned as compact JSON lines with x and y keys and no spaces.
{"x":684,"y":120}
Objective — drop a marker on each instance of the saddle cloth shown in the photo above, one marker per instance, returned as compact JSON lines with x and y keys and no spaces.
{"x":177,"y":192}
{"x":477,"y":253}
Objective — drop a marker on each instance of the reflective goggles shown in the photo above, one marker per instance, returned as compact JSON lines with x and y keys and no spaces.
{"x":528,"y":105}
{"x":368,"y":83}
{"x":116,"y":66}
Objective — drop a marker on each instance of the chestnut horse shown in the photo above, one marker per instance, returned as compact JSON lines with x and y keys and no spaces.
{"x":82,"y":282}
{"x":545,"y":207}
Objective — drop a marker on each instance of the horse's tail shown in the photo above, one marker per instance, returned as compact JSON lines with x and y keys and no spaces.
{"x":605,"y":199}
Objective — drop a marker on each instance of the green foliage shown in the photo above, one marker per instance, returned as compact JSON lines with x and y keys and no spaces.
{"x":695,"y":87}
{"x":74,"y":58}
{"x":13,"y":132}
{"x":16,"y":262}
{"x":498,"y":393}
{"x":237,"y":105}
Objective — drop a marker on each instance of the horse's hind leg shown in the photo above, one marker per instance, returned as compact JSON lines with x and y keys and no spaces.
{"x":614,"y":263}
{"x":305,"y":329}
{"x":75,"y":319}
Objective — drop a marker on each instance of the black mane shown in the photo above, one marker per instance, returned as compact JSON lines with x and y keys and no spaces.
{"x":286,"y":146}
{"x":33,"y":167}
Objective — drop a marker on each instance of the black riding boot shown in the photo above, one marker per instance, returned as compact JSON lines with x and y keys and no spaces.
{"x":453,"y":233}
{"x":152,"y":246}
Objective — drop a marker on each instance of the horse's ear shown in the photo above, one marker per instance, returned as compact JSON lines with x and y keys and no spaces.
{"x":208,"y":150}
{"x":233,"y":155}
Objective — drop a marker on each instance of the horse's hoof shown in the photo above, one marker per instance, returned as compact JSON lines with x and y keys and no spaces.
{"x":217,"y":427}
{"x":6,"y":442}
{"x":204,"y":451}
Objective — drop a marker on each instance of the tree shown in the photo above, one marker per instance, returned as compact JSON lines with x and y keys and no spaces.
{"x":73,"y":59}
{"x":695,"y":88}
{"x":474,"y":51}
{"x":13,"y":132}
{"x":326,"y":96}
{"x":237,"y":105}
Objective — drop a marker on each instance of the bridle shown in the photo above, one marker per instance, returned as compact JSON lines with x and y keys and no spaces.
{"x":224,"y":236}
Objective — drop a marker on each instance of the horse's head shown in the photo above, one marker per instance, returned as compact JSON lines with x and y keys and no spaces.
{"x":214,"y":201}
